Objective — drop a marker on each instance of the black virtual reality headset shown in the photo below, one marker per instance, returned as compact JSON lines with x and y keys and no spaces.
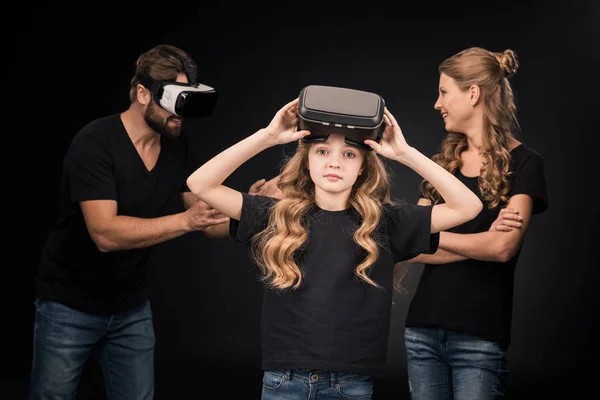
{"x":356,"y":114}
{"x":187,"y":100}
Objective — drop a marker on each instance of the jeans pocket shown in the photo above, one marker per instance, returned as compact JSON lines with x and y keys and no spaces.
{"x":273,"y":379}
{"x":51,"y":310}
{"x":360,"y":388}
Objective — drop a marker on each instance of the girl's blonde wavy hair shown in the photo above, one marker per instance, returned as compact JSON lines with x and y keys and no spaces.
{"x":276,"y":248}
{"x":490,"y":71}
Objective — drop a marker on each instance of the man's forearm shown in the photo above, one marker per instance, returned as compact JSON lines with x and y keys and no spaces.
{"x":131,"y":233}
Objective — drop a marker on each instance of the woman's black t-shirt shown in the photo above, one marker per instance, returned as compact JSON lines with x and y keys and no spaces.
{"x":472,"y":296}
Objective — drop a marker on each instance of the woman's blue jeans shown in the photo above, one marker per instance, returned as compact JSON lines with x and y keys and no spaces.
{"x":450,"y":365}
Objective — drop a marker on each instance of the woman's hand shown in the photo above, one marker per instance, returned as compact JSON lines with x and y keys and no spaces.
{"x":508,"y":218}
{"x":283,"y":127}
{"x":392,"y":144}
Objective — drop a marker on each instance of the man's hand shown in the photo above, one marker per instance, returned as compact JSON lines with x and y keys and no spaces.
{"x":200,"y":216}
{"x":266,"y":188}
{"x":508,"y":218}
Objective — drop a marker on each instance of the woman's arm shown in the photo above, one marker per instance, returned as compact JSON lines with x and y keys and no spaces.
{"x":508,"y":220}
{"x":206,"y":181}
{"x":441,"y":256}
{"x":493,"y":245}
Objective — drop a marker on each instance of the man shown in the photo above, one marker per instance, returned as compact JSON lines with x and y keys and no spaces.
{"x":120,"y":196}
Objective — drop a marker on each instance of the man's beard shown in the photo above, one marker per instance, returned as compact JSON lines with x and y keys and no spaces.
{"x":160,"y":125}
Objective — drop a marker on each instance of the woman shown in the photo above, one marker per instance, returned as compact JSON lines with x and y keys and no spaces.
{"x":458,"y":323}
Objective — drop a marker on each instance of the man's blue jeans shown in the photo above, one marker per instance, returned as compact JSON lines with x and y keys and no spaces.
{"x":450,"y":365}
{"x":64,"y":339}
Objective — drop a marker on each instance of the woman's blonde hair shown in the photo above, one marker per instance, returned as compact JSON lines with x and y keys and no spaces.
{"x":490,"y":72}
{"x":275,"y":249}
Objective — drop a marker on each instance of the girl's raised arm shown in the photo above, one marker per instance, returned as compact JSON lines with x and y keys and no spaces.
{"x":206,"y":181}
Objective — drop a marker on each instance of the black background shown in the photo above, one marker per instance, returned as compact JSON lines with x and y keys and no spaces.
{"x":206,"y":298}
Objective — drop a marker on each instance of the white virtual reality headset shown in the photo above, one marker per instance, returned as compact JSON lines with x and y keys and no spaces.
{"x":187,"y":100}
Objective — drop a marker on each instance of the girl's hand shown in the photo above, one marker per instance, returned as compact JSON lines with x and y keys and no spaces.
{"x":283,"y":127}
{"x":392,"y":144}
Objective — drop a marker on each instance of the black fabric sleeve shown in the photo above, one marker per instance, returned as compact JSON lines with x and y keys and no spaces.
{"x":409,"y":230}
{"x":89,"y":169}
{"x":530,"y":179}
{"x":254,"y":219}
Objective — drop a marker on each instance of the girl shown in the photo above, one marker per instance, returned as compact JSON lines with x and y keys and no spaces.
{"x":326,"y":250}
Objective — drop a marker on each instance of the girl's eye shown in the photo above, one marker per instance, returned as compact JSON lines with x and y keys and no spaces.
{"x":321,"y":151}
{"x":349,"y":154}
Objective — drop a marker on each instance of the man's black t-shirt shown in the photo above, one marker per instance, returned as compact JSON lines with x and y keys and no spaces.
{"x":103,"y":164}
{"x":335,"y":321}
{"x":472,"y":296}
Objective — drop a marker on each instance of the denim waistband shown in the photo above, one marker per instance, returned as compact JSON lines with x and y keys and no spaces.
{"x":314,"y":376}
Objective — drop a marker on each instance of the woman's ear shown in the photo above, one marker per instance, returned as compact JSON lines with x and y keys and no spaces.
{"x":474,"y":94}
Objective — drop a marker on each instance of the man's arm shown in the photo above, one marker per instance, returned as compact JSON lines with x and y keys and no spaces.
{"x":267,"y":188}
{"x":112,"y":232}
{"x":218,"y":231}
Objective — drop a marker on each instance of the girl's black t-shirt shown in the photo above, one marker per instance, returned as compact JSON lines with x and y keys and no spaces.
{"x":335,"y":321}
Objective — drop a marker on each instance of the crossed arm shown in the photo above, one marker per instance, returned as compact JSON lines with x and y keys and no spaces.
{"x":499,"y":244}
